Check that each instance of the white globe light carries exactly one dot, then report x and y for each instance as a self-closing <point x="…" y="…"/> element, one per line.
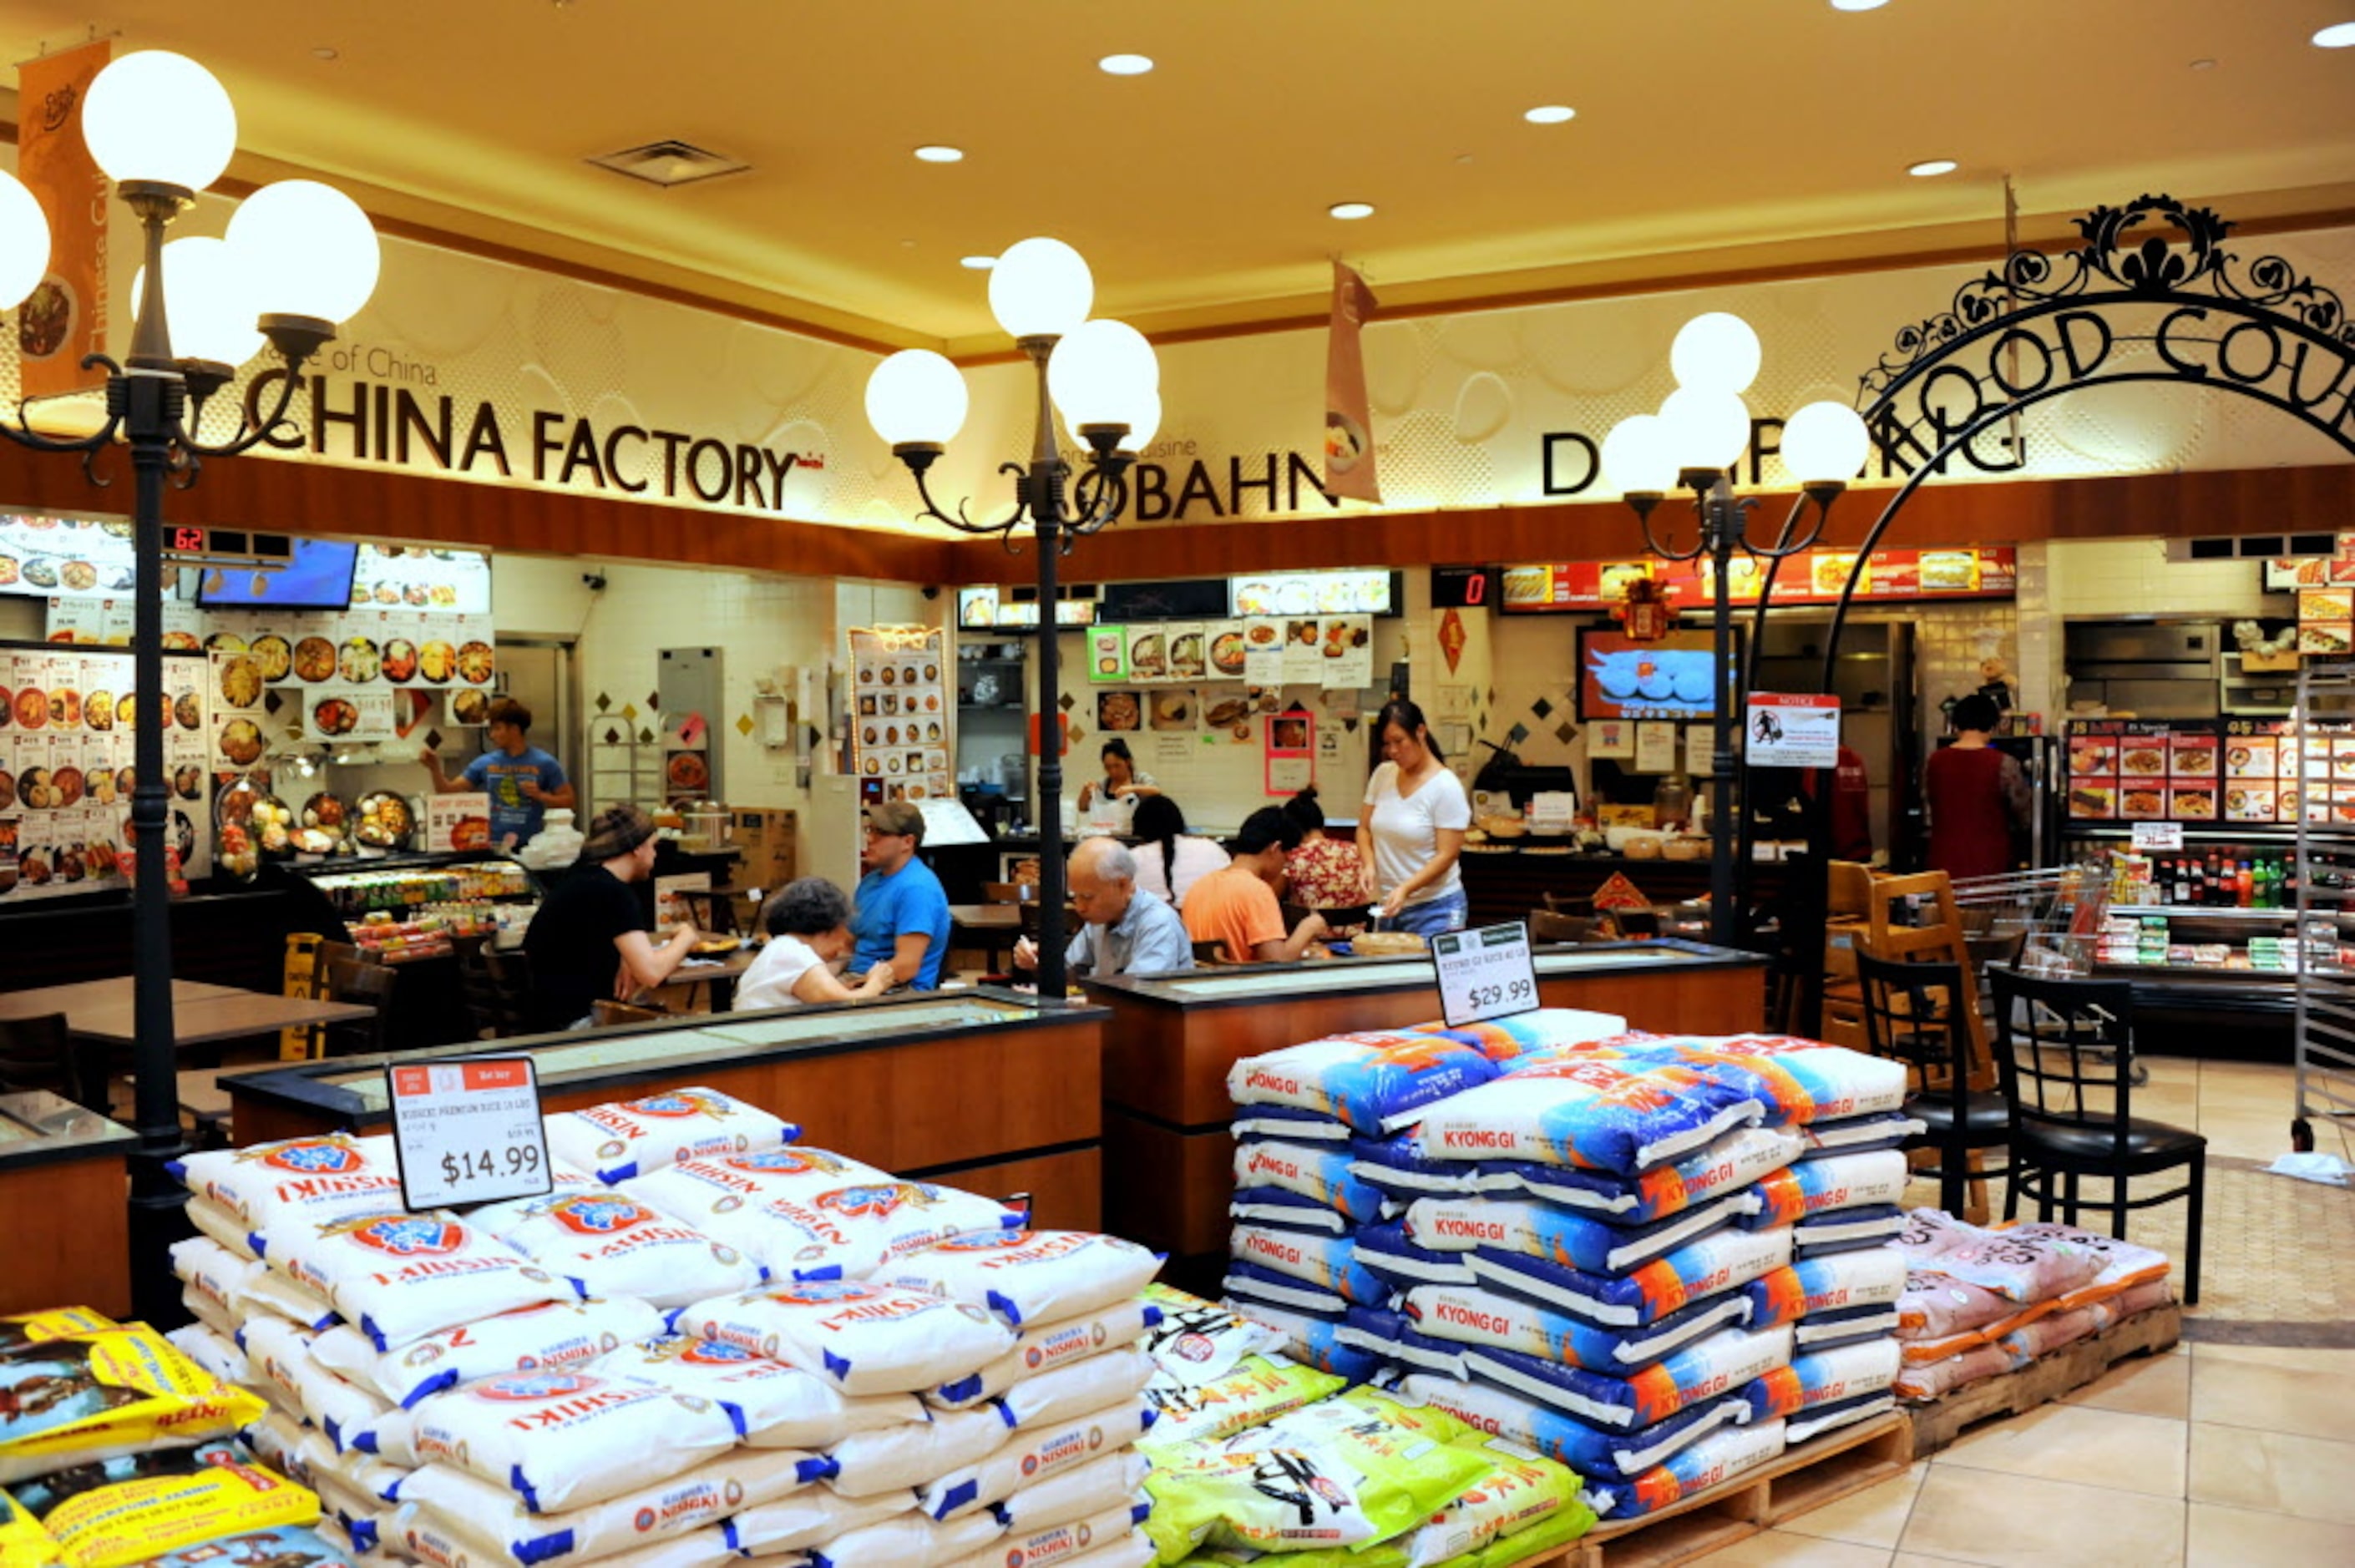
<point x="1097" y="369"/>
<point x="1824" y="441"/>
<point x="156" y="115"/>
<point x="1715" y="351"/>
<point x="916" y="395"/>
<point x="1636" y="456"/>
<point x="1143" y="417"/>
<point x="1706" y="429"/>
<point x="310" y="249"/>
<point x="209" y="302"/>
<point x="1040" y="288"/>
<point x="24" y="242"/>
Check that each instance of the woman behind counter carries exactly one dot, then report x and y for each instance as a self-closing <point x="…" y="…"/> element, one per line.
<point x="1412" y="829"/>
<point x="1124" y="784"/>
<point x="808" y="924"/>
<point x="1169" y="859"/>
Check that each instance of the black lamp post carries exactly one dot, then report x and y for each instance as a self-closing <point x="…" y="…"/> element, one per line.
<point x="163" y="129"/>
<point x="1102" y="374"/>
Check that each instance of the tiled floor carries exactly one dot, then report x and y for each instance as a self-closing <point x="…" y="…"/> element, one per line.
<point x="2211" y="1455"/>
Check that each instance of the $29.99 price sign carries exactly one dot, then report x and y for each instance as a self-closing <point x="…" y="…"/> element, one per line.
<point x="468" y="1131"/>
<point x="1485" y="973"/>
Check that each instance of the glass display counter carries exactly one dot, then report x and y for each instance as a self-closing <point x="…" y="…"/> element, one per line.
<point x="62" y="1186"/>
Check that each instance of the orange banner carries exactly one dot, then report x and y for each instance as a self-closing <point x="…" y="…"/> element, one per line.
<point x="67" y="316"/>
<point x="1348" y="421"/>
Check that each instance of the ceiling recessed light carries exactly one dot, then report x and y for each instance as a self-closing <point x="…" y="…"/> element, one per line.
<point x="939" y="155"/>
<point x="1125" y="65"/>
<point x="978" y="263"/>
<point x="2203" y="65"/>
<point x="1550" y="114"/>
<point x="323" y="53"/>
<point x="1933" y="167"/>
<point x="2337" y="36"/>
<point x="1350" y="210"/>
<point x="1858" y="5"/>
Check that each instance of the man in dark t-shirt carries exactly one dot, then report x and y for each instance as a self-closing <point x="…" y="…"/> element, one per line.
<point x="589" y="940"/>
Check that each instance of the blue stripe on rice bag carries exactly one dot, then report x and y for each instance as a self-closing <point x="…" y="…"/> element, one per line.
<point x="1621" y="1115"/>
<point x="1290" y="1123"/>
<point x="1384" y="1248"/>
<point x="1846" y="1230"/>
<point x="1398" y="1168"/>
<point x="1546" y="1029"/>
<point x="1326" y="1261"/>
<point x="1870" y="1276"/>
<point x="1253" y="1287"/>
<point x="1873" y="1177"/>
<point x="1496" y="1318"/>
<point x="1717" y="1366"/>
<point x="1719" y="1457"/>
<point x="1387" y="1331"/>
<point x="1373" y="1081"/>
<point x="1825" y="1377"/>
<point x="1286" y="1211"/>
<point x="1692" y="1273"/>
<point x="1323" y="1174"/>
<point x="1594" y="1452"/>
<point x="1731" y="1162"/>
<point x="1320" y="1342"/>
<point x="1804" y="1080"/>
<point x="1559" y="1235"/>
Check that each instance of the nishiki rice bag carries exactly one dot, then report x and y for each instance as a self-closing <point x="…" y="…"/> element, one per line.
<point x="895" y="1460"/>
<point x="1565" y="1237"/>
<point x="631" y="1138"/>
<point x="1800" y="1081"/>
<point x="1724" y="1166"/>
<point x="1555" y="1029"/>
<point x="216" y="1276"/>
<point x="281" y="1356"/>
<point x="1076" y="1389"/>
<point x="1509" y="1323"/>
<point x="812" y="1517"/>
<point x="1329" y="1261"/>
<point x="1824" y="1377"/>
<point x="1041" y="1348"/>
<point x="1719" y="1457"/>
<point x="297" y="1181"/>
<point x="772" y="1405"/>
<point x="211" y="1220"/>
<point x="1836" y="1282"/>
<point x="79" y="1398"/>
<point x="1591" y="1450"/>
<point x="864" y="1338"/>
<point x="400" y="1276"/>
<point x="217" y="1352"/>
<point x="1032" y="1454"/>
<point x="1699" y="1269"/>
<point x="415" y="1534"/>
<point x="1029" y="1276"/>
<point x="529" y="1338"/>
<point x="696" y="1191"/>
<point x="1320" y="1174"/>
<point x="907" y="1540"/>
<point x="1074" y="1493"/>
<point x="1067" y="1540"/>
<point x="1716" y="1365"/>
<point x="1817" y="1187"/>
<point x="609" y="1245"/>
<point x="1376" y="1081"/>
<point x="564" y="1439"/>
<point x="1624" y="1117"/>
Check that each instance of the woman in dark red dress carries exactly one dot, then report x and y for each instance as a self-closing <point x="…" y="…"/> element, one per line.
<point x="1977" y="795"/>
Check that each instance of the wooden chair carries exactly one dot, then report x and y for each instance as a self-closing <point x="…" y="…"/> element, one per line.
<point x="37" y="1054"/>
<point x="499" y="989"/>
<point x="2065" y="1048"/>
<point x="1209" y="955"/>
<point x="609" y="1014"/>
<point x="1916" y="1013"/>
<point x="367" y="984"/>
<point x="1001" y="893"/>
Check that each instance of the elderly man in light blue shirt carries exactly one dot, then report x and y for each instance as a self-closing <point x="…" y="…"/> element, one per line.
<point x="1124" y="933"/>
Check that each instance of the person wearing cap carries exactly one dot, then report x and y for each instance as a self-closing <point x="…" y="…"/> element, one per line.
<point x="1235" y="906"/>
<point x="901" y="916"/>
<point x="1121" y="933"/>
<point x="590" y="940"/>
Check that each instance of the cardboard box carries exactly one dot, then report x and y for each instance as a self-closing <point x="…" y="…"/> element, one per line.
<point x="768" y="838"/>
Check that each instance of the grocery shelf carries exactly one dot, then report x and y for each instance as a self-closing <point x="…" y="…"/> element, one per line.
<point x="2213" y="912"/>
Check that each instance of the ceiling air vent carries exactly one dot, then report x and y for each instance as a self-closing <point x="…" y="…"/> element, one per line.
<point x="670" y="164"/>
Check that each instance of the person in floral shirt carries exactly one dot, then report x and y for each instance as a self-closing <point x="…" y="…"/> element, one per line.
<point x="1325" y="873"/>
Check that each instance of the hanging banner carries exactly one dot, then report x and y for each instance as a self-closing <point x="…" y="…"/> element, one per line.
<point x="1349" y="419"/>
<point x="64" y="319"/>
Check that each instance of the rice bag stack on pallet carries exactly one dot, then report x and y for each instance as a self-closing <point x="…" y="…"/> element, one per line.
<point x="1979" y="1302"/>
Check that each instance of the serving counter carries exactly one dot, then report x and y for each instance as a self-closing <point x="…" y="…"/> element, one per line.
<point x="1169" y="1150"/>
<point x="1506" y="881"/>
<point x="66" y="1194"/>
<point x="978" y="1088"/>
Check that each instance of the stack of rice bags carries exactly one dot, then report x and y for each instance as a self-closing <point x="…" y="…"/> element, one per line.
<point x="1980" y="1302"/>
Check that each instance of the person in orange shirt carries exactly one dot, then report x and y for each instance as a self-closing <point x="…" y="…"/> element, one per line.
<point x="1235" y="906"/>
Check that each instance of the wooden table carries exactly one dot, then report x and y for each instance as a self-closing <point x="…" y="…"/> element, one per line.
<point x="721" y="977"/>
<point x="62" y="1184"/>
<point x="992" y="927"/>
<point x="99" y="1016"/>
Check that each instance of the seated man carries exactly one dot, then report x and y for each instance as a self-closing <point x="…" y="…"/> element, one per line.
<point x="1122" y="934"/>
<point x="588" y="941"/>
<point x="1235" y="906"/>
<point x="902" y="916"/>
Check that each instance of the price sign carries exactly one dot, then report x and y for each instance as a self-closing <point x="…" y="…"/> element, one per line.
<point x="468" y="1131"/>
<point x="2159" y="835"/>
<point x="1485" y="973"/>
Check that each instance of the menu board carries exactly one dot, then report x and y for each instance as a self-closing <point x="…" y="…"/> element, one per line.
<point x="902" y="729"/>
<point x="1310" y="593"/>
<point x="2199" y="771"/>
<point x="986" y="608"/>
<point x="68" y="558"/>
<point x="304" y="679"/>
<point x="67" y="745"/>
<point x="1812" y="576"/>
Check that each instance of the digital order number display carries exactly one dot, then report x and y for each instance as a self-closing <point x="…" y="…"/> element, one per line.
<point x="1462" y="588"/>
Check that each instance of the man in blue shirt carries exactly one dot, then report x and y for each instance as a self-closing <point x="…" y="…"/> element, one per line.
<point x="901" y="917"/>
<point x="1122" y="934"/>
<point x="522" y="780"/>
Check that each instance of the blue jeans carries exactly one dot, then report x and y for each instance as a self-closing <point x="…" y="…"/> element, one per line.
<point x="1434" y="915"/>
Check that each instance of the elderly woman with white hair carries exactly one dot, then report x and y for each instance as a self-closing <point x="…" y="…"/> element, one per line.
<point x="1121" y="933"/>
<point x="808" y="923"/>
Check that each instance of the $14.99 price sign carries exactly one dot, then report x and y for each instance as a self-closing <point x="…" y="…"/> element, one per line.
<point x="1485" y="973"/>
<point x="468" y="1131"/>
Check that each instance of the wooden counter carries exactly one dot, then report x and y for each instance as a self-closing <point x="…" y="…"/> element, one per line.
<point x="64" y="1207"/>
<point x="1505" y="884"/>
<point x="1169" y="1155"/>
<point x="980" y="1089"/>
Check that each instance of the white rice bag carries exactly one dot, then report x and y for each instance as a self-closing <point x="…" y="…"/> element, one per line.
<point x="849" y="1232"/>
<point x="210" y="1219"/>
<point x="281" y="1356"/>
<point x="418" y="1535"/>
<point x="391" y="1437"/>
<point x="631" y="1138"/>
<point x="610" y="1244"/>
<point x="696" y="1190"/>
<point x="495" y="1523"/>
<point x="1035" y="1455"/>
<point x="213" y="1272"/>
<point x="1030" y="1276"/>
<point x="267" y="1290"/>
<point x="1062" y="1543"/>
<point x="207" y="1312"/>
<point x="1043" y="1346"/>
<point x="297" y="1181"/>
<point x="896" y="1458"/>
<point x="865" y="1338"/>
<point x="565" y="1182"/>
<point x="564" y="1439"/>
<point x="774" y="1405"/>
<point x="907" y="1540"/>
<point x="1074" y="1390"/>
<point x="215" y="1352"/>
<point x="1076" y="1492"/>
<point x="400" y="1276"/>
<point x="363" y="1474"/>
<point x="277" y="1441"/>
<point x="1130" y="1550"/>
<point x="529" y="1338"/>
<point x="809" y="1518"/>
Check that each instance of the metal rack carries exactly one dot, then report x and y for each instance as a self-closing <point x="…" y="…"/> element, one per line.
<point x="625" y="764"/>
<point x="2326" y="889"/>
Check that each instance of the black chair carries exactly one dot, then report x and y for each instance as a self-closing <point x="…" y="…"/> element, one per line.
<point x="498" y="987"/>
<point x="2065" y="1048"/>
<point x="1916" y="1015"/>
<point x="369" y="984"/>
<point x="38" y="1053"/>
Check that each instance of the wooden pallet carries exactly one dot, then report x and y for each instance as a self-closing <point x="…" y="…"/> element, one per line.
<point x="1820" y="1471"/>
<point x="1939" y="1423"/>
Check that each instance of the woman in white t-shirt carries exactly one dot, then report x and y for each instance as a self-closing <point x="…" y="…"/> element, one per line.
<point x="1413" y="829"/>
<point x="1124" y="785"/>
<point x="809" y="931"/>
<point x="1169" y="859"/>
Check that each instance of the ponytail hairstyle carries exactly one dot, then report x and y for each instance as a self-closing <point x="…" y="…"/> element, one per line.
<point x="1158" y="821"/>
<point x="1303" y="809"/>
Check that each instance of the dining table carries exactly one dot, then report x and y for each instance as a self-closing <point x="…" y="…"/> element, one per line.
<point x="992" y="927"/>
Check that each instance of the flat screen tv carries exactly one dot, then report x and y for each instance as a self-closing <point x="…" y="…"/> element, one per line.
<point x="318" y="577"/>
<point x="1670" y="678"/>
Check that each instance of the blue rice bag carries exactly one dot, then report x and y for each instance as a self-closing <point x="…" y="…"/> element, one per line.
<point x="1870" y="1277"/>
<point x="1828" y="1377"/>
<point x="1719" y="1457"/>
<point x="1493" y="1318"/>
<point x="1562" y="1236"/>
<point x="1589" y="1110"/>
<point x="1398" y="1168"/>
<point x="1545" y="1029"/>
<point x="1802" y="1081"/>
<point x="1285" y="1211"/>
<point x="1321" y="1343"/>
<point x="1323" y="1174"/>
<point x="1846" y="1230"/>
<point x="1326" y="1261"/>
<point x="1875" y="1178"/>
<point x="1253" y="1288"/>
<point x="1387" y="1333"/>
<point x="1384" y="1248"/>
<point x="1717" y="1365"/>
<point x="1375" y="1082"/>
<point x="1729" y="1164"/>
<point x="1290" y="1123"/>
<point x="1594" y="1452"/>
<point x="1847" y="1326"/>
<point x="1855" y="1134"/>
<point x="1724" y="1261"/>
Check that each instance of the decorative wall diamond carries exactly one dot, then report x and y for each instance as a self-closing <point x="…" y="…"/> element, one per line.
<point x="744" y="725"/>
<point x="1542" y="708"/>
<point x="605" y="703"/>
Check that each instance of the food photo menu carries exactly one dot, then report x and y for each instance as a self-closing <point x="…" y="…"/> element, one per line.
<point x="904" y="715"/>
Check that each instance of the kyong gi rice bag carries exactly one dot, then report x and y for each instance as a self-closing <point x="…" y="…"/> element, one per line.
<point x="1546" y="1029"/>
<point x="1373" y="1081"/>
<point x="1721" y="1168"/>
<point x="1814" y="1188"/>
<point x="1623" y="1116"/>
<point x="1563" y="1235"/>
<point x="1509" y="1323"/>
<point x="1799" y="1081"/>
<point x="774" y="1405"/>
<point x="1693" y="1271"/>
<point x="1329" y="1261"/>
<point x="864" y="1338"/>
<point x="609" y="1245"/>
<point x="1607" y="1453"/>
<point x="1836" y="1282"/>
<point x="1719" y="1457"/>
<point x="400" y="1276"/>
<point x="1717" y="1365"/>
<point x="1321" y="1174"/>
<point x="298" y="1182"/>
<point x="529" y="1338"/>
<point x="632" y="1137"/>
<point x="1029" y="1276"/>
<point x="1824" y="1377"/>
<point x="564" y="1439"/>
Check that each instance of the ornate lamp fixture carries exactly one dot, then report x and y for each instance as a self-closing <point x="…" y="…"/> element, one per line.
<point x="1695" y="441"/>
<point x="300" y="259"/>
<point x="1102" y="375"/>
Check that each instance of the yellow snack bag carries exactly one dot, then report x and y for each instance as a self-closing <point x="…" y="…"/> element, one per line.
<point x="102" y="1394"/>
<point x="130" y="1522"/>
<point x="22" y="1542"/>
<point x="32" y="1327"/>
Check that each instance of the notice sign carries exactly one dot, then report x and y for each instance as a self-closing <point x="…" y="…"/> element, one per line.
<point x="468" y="1131"/>
<point x="1485" y="973"/>
<point x="2159" y="835"/>
<point x="1784" y="729"/>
